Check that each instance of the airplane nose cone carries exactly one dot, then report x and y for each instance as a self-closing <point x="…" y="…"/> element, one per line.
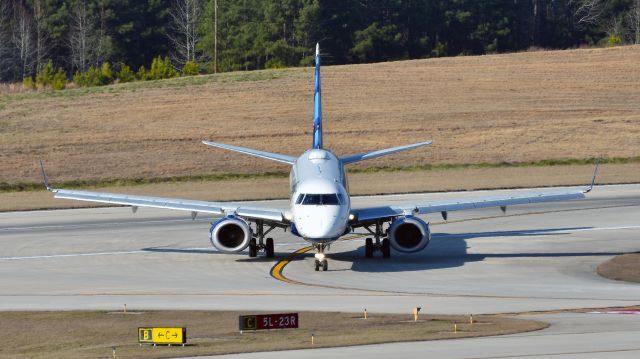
<point x="319" y="225"/>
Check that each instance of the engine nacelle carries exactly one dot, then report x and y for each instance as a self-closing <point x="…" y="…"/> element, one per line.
<point x="409" y="234"/>
<point x="230" y="234"/>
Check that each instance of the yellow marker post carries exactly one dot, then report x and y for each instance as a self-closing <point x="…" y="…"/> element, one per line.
<point x="312" y="339"/>
<point x="455" y="327"/>
<point x="416" y="310"/>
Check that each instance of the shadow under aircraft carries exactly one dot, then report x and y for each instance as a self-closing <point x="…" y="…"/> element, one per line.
<point x="449" y="250"/>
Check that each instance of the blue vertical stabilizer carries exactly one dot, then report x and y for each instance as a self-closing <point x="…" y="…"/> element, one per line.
<point x="317" y="105"/>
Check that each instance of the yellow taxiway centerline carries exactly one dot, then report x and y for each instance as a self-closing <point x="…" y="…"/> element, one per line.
<point x="278" y="268"/>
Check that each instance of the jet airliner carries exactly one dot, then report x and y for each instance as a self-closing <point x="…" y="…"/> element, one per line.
<point x="320" y="210"/>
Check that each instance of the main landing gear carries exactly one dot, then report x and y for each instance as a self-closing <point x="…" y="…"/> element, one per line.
<point x="381" y="244"/>
<point x="321" y="259"/>
<point x="257" y="243"/>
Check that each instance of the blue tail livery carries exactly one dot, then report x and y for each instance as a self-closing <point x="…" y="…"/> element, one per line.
<point x="317" y="106"/>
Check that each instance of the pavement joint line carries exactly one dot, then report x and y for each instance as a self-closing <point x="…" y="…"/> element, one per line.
<point x="632" y="302"/>
<point x="558" y="354"/>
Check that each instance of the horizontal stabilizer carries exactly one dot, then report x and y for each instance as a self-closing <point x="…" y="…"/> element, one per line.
<point x="255" y="153"/>
<point x="379" y="153"/>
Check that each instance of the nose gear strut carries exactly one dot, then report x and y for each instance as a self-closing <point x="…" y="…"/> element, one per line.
<point x="321" y="259"/>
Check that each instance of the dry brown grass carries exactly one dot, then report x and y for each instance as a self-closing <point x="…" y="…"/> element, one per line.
<point x="94" y="334"/>
<point x="623" y="267"/>
<point x="514" y="107"/>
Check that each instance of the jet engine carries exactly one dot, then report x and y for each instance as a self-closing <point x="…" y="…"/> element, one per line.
<point x="409" y="234"/>
<point x="230" y="234"/>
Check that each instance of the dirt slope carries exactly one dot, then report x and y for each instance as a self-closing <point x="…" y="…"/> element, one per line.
<point x="515" y="107"/>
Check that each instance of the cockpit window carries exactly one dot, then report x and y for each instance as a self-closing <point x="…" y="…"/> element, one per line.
<point x="319" y="199"/>
<point x="300" y="197"/>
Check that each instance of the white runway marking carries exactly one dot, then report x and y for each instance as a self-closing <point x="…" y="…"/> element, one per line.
<point x="553" y="230"/>
<point x="71" y="255"/>
<point x="101" y="224"/>
<point x="141" y="251"/>
<point x="606" y="228"/>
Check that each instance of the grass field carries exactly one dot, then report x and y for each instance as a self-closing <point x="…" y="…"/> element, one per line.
<point x="573" y="104"/>
<point x="94" y="334"/>
<point x="624" y="267"/>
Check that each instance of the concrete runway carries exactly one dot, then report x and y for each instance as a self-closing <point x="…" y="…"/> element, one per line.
<point x="535" y="258"/>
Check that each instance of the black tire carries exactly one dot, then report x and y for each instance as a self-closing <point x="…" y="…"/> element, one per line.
<point x="269" y="248"/>
<point x="317" y="265"/>
<point x="386" y="248"/>
<point x="368" y="248"/>
<point x="325" y="265"/>
<point x="253" y="248"/>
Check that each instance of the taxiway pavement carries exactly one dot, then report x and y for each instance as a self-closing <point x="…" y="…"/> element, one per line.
<point x="533" y="258"/>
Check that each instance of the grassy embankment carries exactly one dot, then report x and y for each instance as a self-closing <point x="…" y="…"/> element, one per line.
<point x="68" y="335"/>
<point x="498" y="121"/>
<point x="624" y="267"/>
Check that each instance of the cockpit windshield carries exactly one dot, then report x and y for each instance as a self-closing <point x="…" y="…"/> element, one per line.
<point x="318" y="199"/>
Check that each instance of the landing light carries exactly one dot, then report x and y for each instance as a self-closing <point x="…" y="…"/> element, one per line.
<point x="352" y="217"/>
<point x="320" y="256"/>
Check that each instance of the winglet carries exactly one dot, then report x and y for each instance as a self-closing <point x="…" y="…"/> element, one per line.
<point x="45" y="178"/>
<point x="593" y="180"/>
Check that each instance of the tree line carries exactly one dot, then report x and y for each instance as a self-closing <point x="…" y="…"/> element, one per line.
<point x="80" y="36"/>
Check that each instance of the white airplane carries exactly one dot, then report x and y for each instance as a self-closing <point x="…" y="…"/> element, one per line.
<point x="320" y="209"/>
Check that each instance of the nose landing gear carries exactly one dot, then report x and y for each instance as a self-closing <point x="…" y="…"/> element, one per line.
<point x="321" y="259"/>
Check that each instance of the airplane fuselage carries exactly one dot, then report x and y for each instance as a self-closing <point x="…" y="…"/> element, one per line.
<point x="320" y="202"/>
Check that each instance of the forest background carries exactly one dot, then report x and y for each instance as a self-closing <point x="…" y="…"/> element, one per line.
<point x="96" y="42"/>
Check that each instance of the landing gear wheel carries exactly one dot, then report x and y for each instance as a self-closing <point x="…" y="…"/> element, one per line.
<point x="253" y="248"/>
<point x="368" y="248"/>
<point x="386" y="248"/>
<point x="317" y="265"/>
<point x="269" y="248"/>
<point x="325" y="265"/>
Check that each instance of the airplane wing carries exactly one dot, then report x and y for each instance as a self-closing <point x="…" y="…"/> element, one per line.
<point x="193" y="206"/>
<point x="370" y="214"/>
<point x="217" y="208"/>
